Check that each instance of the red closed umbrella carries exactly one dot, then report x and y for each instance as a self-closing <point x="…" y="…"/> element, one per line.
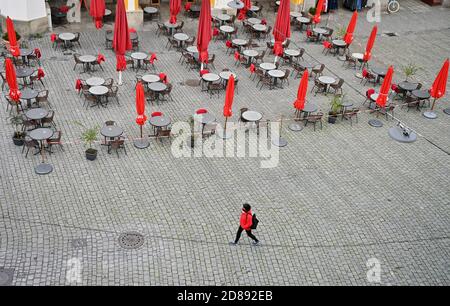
<point x="121" y="41"/>
<point x="439" y="86"/>
<point x="370" y="42"/>
<point x="245" y="9"/>
<point x="140" y="105"/>
<point x="385" y="87"/>
<point x="319" y="8"/>
<point x="348" y="37"/>
<point x="97" y="11"/>
<point x="13" y="47"/>
<point x="11" y="79"/>
<point x="299" y="103"/>
<point x="175" y="7"/>
<point x="229" y="96"/>
<point x="282" y="28"/>
<point x="204" y="32"/>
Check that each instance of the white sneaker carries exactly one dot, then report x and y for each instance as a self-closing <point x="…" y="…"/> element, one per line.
<point x="256" y="243"/>
<point x="232" y="243"/>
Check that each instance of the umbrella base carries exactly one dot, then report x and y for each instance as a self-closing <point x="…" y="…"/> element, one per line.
<point x="295" y="127"/>
<point x="447" y="111"/>
<point x="141" y="143"/>
<point x="279" y="142"/>
<point x="430" y="115"/>
<point x="396" y="133"/>
<point x="375" y="123"/>
<point x="43" y="169"/>
<point x="225" y="134"/>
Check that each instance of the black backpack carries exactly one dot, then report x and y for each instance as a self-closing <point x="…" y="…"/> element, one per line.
<point x="254" y="222"/>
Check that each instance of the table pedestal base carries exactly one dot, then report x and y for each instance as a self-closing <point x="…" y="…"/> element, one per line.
<point x="430" y="115"/>
<point x="296" y="127"/>
<point x="396" y="133"/>
<point x="447" y="111"/>
<point x="375" y="123"/>
<point x="141" y="143"/>
<point x="225" y="134"/>
<point x="279" y="142"/>
<point x="43" y="169"/>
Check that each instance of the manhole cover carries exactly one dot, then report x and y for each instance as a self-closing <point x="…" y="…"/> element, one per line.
<point x="79" y="243"/>
<point x="131" y="240"/>
<point x="192" y="83"/>
<point x="6" y="277"/>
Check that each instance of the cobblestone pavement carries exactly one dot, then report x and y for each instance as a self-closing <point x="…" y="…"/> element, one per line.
<point x="339" y="196"/>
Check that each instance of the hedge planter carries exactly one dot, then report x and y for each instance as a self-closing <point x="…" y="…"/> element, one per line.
<point x="91" y="154"/>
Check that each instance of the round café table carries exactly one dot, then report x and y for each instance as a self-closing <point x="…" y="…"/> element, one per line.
<point x="23" y="73"/>
<point x="210" y="77"/>
<point x="192" y="49"/>
<point x="41" y="134"/>
<point x="276" y="74"/>
<point x="95" y="81"/>
<point x="239" y="42"/>
<point x="87" y="61"/>
<point x="204" y="119"/>
<point x="296" y="14"/>
<point x="171" y="26"/>
<point x="250" y="54"/>
<point x="309" y="108"/>
<point x="379" y="72"/>
<point x="223" y="18"/>
<point x="181" y="38"/>
<point x="24" y="52"/>
<point x="267" y="66"/>
<point x="150" y="11"/>
<point x="292" y="53"/>
<point x="66" y="37"/>
<point x="98" y="92"/>
<point x="326" y="80"/>
<point x="338" y="44"/>
<point x="36" y="114"/>
<point x="259" y="27"/>
<point x="139" y="57"/>
<point x="225" y="75"/>
<point x="159" y="122"/>
<point x="254" y="20"/>
<point x="254" y="8"/>
<point x="150" y="78"/>
<point x="421" y="94"/>
<point x="236" y="4"/>
<point x="252" y="116"/>
<point x="320" y="31"/>
<point x="28" y="94"/>
<point x="157" y="88"/>
<point x="407" y="86"/>
<point x="303" y="20"/>
<point x="111" y="131"/>
<point x="226" y="29"/>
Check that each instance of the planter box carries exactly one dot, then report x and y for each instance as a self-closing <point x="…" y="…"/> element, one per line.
<point x="433" y="2"/>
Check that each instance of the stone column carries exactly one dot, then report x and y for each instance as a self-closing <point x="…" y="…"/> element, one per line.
<point x="446" y="3"/>
<point x="29" y="16"/>
<point x="135" y="14"/>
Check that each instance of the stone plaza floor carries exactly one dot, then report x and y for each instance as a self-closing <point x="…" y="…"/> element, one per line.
<point x="339" y="200"/>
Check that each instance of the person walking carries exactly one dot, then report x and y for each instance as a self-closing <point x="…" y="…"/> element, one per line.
<point x="246" y="221"/>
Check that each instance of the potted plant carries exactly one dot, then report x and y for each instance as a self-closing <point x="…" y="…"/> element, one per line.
<point x="311" y="12"/>
<point x="336" y="105"/>
<point x="410" y="70"/>
<point x="6" y="39"/>
<point x="341" y="31"/>
<point x="89" y="135"/>
<point x="18" y="135"/>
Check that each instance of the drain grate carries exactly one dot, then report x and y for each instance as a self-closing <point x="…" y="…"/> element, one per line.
<point x="131" y="240"/>
<point x="192" y="83"/>
<point x="79" y="243"/>
<point x="6" y="276"/>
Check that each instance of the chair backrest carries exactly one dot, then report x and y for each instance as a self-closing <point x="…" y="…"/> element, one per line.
<point x="156" y="114"/>
<point x="340" y="83"/>
<point x="287" y="73"/>
<point x="108" y="82"/>
<point x="110" y="122"/>
<point x="42" y="95"/>
<point x="243" y="110"/>
<point x="370" y="92"/>
<point x="201" y="111"/>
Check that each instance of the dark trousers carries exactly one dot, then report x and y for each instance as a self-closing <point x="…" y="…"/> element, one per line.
<point x="249" y="233"/>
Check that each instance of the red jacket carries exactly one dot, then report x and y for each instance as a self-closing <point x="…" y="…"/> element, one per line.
<point x="246" y="219"/>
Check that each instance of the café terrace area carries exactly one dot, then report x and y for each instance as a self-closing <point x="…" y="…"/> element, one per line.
<point x="361" y="114"/>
